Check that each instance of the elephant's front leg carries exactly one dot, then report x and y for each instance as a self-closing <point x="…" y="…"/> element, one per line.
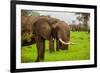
<point x="40" y="42"/>
<point x="51" y="44"/>
<point x="58" y="45"/>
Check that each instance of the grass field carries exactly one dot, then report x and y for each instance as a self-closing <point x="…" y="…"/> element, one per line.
<point x="80" y="51"/>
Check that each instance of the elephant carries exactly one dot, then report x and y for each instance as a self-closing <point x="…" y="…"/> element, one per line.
<point x="75" y="27"/>
<point x="26" y="29"/>
<point x="62" y="31"/>
<point x="26" y="25"/>
<point x="46" y="28"/>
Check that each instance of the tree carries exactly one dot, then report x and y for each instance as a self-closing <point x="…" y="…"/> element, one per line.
<point x="84" y="17"/>
<point x="73" y="22"/>
<point x="85" y="20"/>
<point x="29" y="13"/>
<point x="79" y="18"/>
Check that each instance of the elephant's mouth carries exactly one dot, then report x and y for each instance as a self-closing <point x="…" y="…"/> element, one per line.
<point x="65" y="43"/>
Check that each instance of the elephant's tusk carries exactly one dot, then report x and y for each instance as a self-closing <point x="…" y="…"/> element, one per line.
<point x="65" y="42"/>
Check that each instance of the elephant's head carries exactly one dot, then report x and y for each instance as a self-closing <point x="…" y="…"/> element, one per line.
<point x="58" y="28"/>
<point x="62" y="31"/>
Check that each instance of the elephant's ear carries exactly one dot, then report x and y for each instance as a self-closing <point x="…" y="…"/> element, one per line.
<point x="42" y="28"/>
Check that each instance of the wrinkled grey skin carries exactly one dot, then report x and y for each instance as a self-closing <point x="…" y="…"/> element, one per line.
<point x="46" y="28"/>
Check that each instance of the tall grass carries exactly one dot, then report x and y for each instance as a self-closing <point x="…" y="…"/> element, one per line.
<point x="80" y="51"/>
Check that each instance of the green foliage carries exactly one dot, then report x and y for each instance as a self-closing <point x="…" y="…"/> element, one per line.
<point x="26" y="36"/>
<point x="80" y="51"/>
<point x="29" y="13"/>
<point x="84" y="17"/>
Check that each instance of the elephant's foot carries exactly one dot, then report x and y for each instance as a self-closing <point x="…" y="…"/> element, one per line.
<point x="40" y="60"/>
<point x="37" y="60"/>
<point x="41" y="57"/>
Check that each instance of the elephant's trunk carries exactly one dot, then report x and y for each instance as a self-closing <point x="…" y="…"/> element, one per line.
<point x="65" y="43"/>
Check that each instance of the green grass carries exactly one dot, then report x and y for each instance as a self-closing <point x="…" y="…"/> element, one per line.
<point x="80" y="51"/>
